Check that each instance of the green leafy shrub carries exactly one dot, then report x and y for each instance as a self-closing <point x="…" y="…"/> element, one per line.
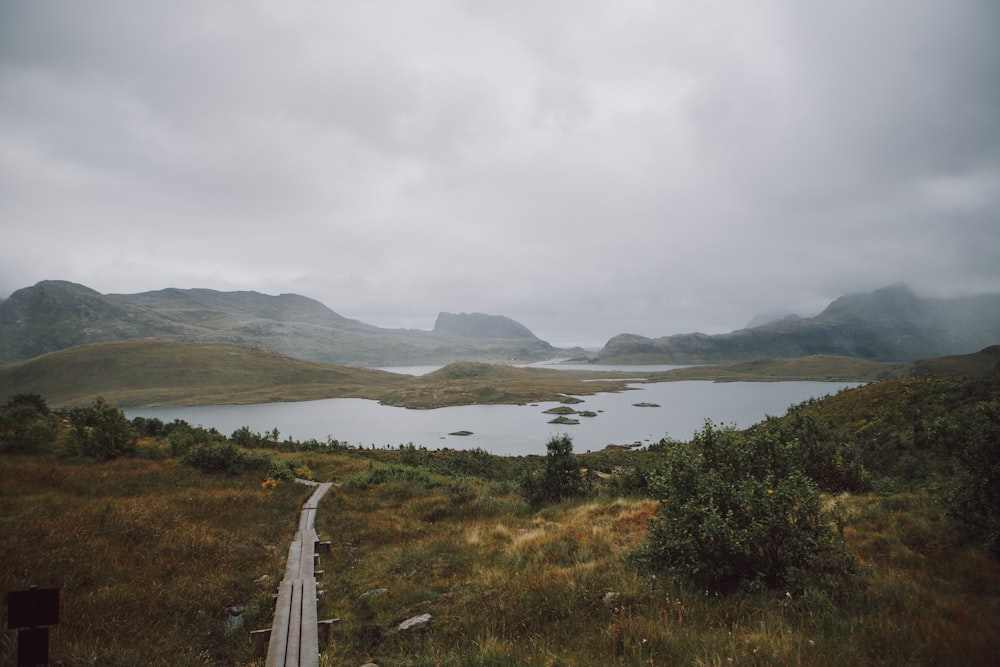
<point x="736" y="508"/>
<point x="227" y="458"/>
<point x="183" y="438"/>
<point x="101" y="431"/>
<point x="832" y="464"/>
<point x="559" y="479"/>
<point x="388" y="474"/>
<point x="973" y="496"/>
<point x="472" y="463"/>
<point x="26" y="424"/>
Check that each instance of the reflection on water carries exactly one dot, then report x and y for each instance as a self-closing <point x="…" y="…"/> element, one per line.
<point x="513" y="429"/>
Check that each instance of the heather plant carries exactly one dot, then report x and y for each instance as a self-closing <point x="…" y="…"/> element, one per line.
<point x="736" y="508"/>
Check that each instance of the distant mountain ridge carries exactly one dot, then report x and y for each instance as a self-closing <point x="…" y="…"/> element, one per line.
<point x="54" y="315"/>
<point x="889" y="324"/>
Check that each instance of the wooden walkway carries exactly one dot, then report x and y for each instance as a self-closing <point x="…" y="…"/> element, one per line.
<point x="294" y="637"/>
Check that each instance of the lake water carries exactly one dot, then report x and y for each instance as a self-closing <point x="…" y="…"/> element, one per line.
<point x="513" y="429"/>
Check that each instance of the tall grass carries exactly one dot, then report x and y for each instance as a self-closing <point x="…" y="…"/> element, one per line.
<point x="147" y="556"/>
<point x="507" y="585"/>
<point x="149" y="553"/>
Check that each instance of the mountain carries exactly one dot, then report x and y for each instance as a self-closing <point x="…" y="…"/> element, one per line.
<point x="478" y="325"/>
<point x="54" y="315"/>
<point x="889" y="324"/>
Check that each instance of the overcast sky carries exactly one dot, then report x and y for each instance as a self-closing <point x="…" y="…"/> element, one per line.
<point x="586" y="168"/>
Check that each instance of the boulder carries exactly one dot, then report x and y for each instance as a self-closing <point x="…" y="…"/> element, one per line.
<point x="415" y="623"/>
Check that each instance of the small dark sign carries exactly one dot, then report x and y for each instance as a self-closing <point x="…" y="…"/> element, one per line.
<point x="33" y="608"/>
<point x="33" y="647"/>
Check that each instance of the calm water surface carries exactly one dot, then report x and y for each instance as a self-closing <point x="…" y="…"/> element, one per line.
<point x="513" y="429"/>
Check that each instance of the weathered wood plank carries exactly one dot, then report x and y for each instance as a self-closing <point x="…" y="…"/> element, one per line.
<point x="294" y="644"/>
<point x="309" y="643"/>
<point x="276" y="646"/>
<point x="294" y="640"/>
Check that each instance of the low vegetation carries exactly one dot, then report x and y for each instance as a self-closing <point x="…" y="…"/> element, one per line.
<point x="855" y="530"/>
<point x="157" y="372"/>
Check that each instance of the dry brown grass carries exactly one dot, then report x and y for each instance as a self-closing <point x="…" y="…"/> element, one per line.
<point x="147" y="556"/>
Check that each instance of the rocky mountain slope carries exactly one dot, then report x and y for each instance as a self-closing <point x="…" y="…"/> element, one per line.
<point x="889" y="324"/>
<point x="55" y="315"/>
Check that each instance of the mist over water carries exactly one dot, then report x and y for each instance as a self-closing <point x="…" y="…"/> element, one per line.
<point x="513" y="429"/>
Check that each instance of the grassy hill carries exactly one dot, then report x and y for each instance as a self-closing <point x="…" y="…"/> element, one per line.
<point x="158" y="372"/>
<point x="161" y="372"/>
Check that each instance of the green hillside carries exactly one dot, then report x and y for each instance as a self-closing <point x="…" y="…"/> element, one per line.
<point x="157" y="372"/>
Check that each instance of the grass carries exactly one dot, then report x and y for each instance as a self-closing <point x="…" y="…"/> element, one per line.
<point x="156" y="372"/>
<point x="147" y="554"/>
<point x="506" y="585"/>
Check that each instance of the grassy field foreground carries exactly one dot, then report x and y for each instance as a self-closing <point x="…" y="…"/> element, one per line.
<point x="148" y="555"/>
<point x="507" y="585"/>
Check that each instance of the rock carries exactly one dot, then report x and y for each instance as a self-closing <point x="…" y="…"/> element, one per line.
<point x="415" y="623"/>
<point x="375" y="593"/>
<point x="610" y="599"/>
<point x="562" y="419"/>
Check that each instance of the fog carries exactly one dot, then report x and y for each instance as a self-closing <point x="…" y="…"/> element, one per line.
<point x="584" y="168"/>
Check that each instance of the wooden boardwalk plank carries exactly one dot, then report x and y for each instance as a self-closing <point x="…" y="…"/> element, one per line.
<point x="294" y="640"/>
<point x="294" y="644"/>
<point x="279" y="626"/>
<point x="309" y="651"/>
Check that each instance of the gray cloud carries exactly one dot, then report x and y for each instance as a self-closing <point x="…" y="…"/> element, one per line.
<point x="586" y="168"/>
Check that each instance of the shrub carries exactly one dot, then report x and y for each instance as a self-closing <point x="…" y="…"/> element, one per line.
<point x="474" y="462"/>
<point x="101" y="431"/>
<point x="735" y="508"/>
<point x="152" y="427"/>
<point x="559" y="479"/>
<point x="26" y="425"/>
<point x="973" y="497"/>
<point x="244" y="437"/>
<point x="388" y="474"/>
<point x="833" y="465"/>
<point x="183" y="438"/>
<point x="227" y="458"/>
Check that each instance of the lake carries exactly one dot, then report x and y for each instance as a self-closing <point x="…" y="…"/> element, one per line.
<point x="513" y="430"/>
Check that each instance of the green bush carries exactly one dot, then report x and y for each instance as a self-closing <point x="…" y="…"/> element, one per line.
<point x="26" y="425"/>
<point x="389" y="474"/>
<point x="101" y="431"/>
<point x="559" y="479"/>
<point x="832" y="464"/>
<point x="227" y="458"/>
<point x="183" y="438"/>
<point x="973" y="497"/>
<point x="736" y="508"/>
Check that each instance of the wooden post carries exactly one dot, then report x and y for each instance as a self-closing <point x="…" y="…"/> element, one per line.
<point x="259" y="639"/>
